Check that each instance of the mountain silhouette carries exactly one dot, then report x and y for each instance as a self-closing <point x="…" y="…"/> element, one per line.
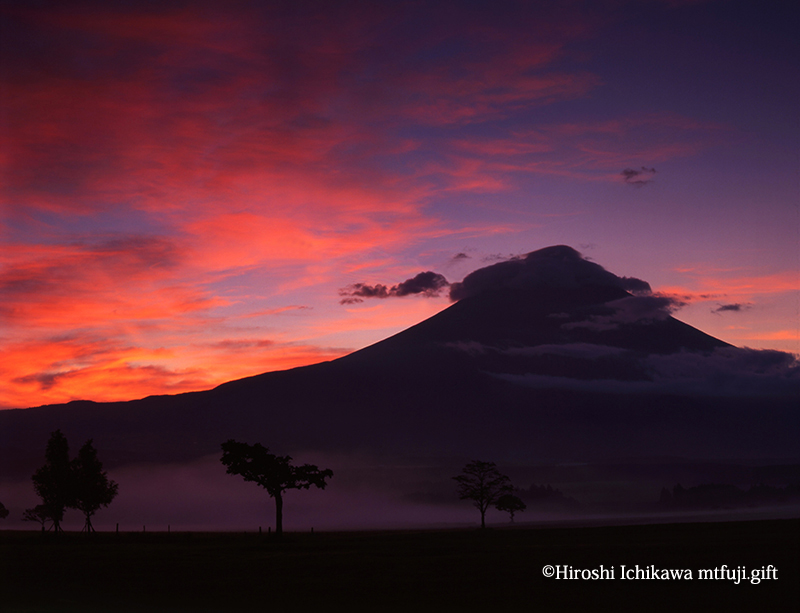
<point x="542" y="358"/>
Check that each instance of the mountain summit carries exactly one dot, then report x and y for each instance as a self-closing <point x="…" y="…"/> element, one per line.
<point x="543" y="357"/>
<point x="559" y="266"/>
<point x="555" y="297"/>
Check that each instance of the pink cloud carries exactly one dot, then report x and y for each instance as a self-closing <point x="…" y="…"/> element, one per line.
<point x="589" y="151"/>
<point x="764" y="300"/>
<point x="711" y="285"/>
<point x="129" y="278"/>
<point x="492" y="93"/>
<point x="79" y="144"/>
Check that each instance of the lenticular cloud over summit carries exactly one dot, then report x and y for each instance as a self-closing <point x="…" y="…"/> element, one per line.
<point x="558" y="266"/>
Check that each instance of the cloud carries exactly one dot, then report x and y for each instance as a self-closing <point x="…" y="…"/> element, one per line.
<point x="83" y="283"/>
<point x="562" y="266"/>
<point x="239" y="345"/>
<point x="106" y="365"/>
<point x="294" y="308"/>
<point x="631" y="310"/>
<point x="581" y="351"/>
<point x="151" y="102"/>
<point x="498" y="257"/>
<point x="558" y="266"/>
<point x="726" y="371"/>
<point x="353" y="293"/>
<point x="717" y="282"/>
<point x="639" y="177"/>
<point x="639" y="308"/>
<point x="458" y="260"/>
<point x="634" y="285"/>
<point x="734" y="307"/>
<point x="586" y="151"/>
<point x="428" y="284"/>
<point x="731" y="371"/>
<point x="172" y="172"/>
<point x="54" y="370"/>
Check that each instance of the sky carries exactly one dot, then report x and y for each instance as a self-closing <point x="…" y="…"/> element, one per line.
<point x="194" y="192"/>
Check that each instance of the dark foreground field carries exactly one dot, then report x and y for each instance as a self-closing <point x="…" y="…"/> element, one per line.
<point x="465" y="570"/>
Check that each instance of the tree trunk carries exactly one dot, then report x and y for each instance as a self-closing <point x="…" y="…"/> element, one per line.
<point x="483" y="518"/>
<point x="278" y="513"/>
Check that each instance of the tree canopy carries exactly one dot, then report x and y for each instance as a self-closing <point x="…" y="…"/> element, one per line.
<point x="53" y="481"/>
<point x="272" y="472"/>
<point x="511" y="504"/>
<point x="92" y="487"/>
<point x="483" y="484"/>
<point x="39" y="514"/>
<point x="78" y="484"/>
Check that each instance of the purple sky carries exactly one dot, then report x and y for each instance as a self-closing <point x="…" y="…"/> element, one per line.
<point x="187" y="186"/>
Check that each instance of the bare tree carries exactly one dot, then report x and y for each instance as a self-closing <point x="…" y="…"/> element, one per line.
<point x="483" y="484"/>
<point x="273" y="473"/>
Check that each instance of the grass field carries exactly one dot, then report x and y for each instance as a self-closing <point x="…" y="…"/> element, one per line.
<point x="458" y="570"/>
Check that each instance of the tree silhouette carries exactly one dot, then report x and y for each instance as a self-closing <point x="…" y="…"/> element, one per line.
<point x="3" y="511"/>
<point x="53" y="481"/>
<point x="78" y="484"/>
<point x="483" y="484"/>
<point x="92" y="487"/>
<point x="273" y="473"/>
<point x="510" y="504"/>
<point x="39" y="514"/>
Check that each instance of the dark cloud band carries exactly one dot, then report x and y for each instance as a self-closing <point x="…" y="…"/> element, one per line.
<point x="428" y="284"/>
<point x="735" y="307"/>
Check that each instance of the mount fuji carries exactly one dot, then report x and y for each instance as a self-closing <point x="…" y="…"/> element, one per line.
<point x="544" y="358"/>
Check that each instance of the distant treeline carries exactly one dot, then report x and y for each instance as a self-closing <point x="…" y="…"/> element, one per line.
<point x="719" y="495"/>
<point x="545" y="494"/>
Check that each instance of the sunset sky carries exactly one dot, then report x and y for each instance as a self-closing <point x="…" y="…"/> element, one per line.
<point x="191" y="190"/>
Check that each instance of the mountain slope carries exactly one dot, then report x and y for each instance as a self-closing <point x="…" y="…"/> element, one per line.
<point x="543" y="358"/>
